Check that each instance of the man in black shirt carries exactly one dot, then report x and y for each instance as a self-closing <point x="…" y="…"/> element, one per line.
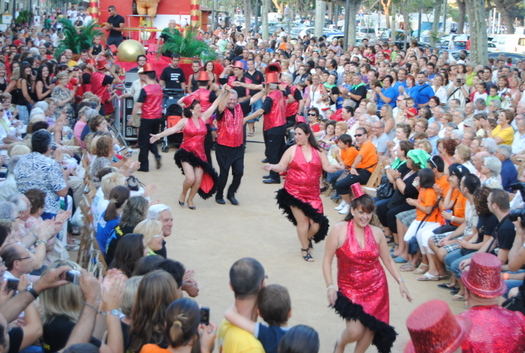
<point x="357" y="92"/>
<point x="257" y="78"/>
<point x="114" y="26"/>
<point x="173" y="76"/>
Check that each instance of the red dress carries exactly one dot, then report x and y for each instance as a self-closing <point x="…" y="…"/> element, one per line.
<point x="495" y="330"/>
<point x="192" y="151"/>
<point x="363" y="289"/>
<point x="301" y="189"/>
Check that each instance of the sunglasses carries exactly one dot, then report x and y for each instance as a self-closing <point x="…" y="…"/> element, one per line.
<point x="310" y="114"/>
<point x="358" y="135"/>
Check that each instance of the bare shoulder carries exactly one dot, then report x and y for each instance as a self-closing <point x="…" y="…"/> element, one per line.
<point x="378" y="233"/>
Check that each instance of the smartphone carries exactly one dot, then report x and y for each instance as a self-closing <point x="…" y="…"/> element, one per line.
<point x="205" y="316"/>
<point x="72" y="276"/>
<point x="12" y="284"/>
<point x="53" y="146"/>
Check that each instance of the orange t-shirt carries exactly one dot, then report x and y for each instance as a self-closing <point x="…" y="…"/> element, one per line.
<point x="153" y="348"/>
<point x="459" y="205"/>
<point x="369" y="153"/>
<point x="427" y="197"/>
<point x="443" y="184"/>
<point x="348" y="156"/>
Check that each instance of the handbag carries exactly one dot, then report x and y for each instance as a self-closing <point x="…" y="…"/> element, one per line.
<point x="385" y="190"/>
<point x="413" y="245"/>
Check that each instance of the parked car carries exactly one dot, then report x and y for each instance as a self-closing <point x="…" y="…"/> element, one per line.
<point x="510" y="42"/>
<point x="387" y="35"/>
<point x="366" y="32"/>
<point x="515" y="56"/>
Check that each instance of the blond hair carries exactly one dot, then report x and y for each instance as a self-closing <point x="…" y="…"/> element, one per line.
<point x="149" y="228"/>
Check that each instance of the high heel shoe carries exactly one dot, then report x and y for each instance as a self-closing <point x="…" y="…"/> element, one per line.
<point x="181" y="204"/>
<point x="193" y="208"/>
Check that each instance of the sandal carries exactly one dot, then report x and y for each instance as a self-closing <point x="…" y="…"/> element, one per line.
<point x="428" y="277"/>
<point x="408" y="267"/>
<point x="448" y="286"/>
<point x="422" y="269"/>
<point x="458" y="297"/>
<point x="308" y="257"/>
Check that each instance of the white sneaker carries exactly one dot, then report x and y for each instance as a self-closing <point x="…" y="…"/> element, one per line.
<point x="345" y="210"/>
<point x="341" y="205"/>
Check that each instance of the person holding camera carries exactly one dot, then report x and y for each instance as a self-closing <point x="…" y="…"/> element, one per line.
<point x="458" y="90"/>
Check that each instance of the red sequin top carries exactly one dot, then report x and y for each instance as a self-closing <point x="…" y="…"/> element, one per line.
<point x="193" y="140"/>
<point x="360" y="276"/>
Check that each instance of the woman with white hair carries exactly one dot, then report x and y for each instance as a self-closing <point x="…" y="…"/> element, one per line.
<point x="491" y="169"/>
<point x="488" y="144"/>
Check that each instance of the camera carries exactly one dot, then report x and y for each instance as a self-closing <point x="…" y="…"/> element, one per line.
<point x="458" y="80"/>
<point x="12" y="284"/>
<point x="72" y="276"/>
<point x="205" y="315"/>
<point x="514" y="214"/>
<point x="520" y="187"/>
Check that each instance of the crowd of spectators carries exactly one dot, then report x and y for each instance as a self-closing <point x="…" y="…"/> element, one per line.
<point x="447" y="134"/>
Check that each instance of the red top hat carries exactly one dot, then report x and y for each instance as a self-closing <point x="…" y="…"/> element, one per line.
<point x="434" y="329"/>
<point x="357" y="190"/>
<point x="91" y="61"/>
<point x="239" y="64"/>
<point x="273" y="67"/>
<point x="188" y="100"/>
<point x="484" y="276"/>
<point x="272" y="77"/>
<point x="203" y="76"/>
<point x="147" y="68"/>
<point x="101" y="63"/>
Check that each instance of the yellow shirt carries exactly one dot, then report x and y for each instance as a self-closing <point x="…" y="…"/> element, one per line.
<point x="72" y="63"/>
<point x="507" y="135"/>
<point x="233" y="339"/>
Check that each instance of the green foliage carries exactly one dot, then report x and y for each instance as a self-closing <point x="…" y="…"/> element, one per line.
<point x="74" y="39"/>
<point x="24" y="17"/>
<point x="188" y="46"/>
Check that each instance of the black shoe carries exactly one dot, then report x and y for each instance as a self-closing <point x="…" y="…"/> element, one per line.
<point x="264" y="160"/>
<point x="233" y="200"/>
<point x="454" y="292"/>
<point x="220" y="201"/>
<point x="159" y="163"/>
<point x="271" y="181"/>
<point x="267" y="176"/>
<point x="143" y="170"/>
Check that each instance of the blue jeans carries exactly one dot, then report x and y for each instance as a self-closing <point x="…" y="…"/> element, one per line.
<point x="256" y="106"/>
<point x="453" y="259"/>
<point x="512" y="283"/>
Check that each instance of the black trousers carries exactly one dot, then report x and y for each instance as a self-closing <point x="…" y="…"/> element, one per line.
<point x="275" y="146"/>
<point x="147" y="127"/>
<point x="229" y="157"/>
<point x="387" y="216"/>
<point x="115" y="40"/>
<point x="343" y="186"/>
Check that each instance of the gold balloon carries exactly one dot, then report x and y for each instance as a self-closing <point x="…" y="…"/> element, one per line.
<point x="129" y="50"/>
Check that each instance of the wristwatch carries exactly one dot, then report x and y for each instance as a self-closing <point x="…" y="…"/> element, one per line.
<point x="30" y="289"/>
<point x="114" y="312"/>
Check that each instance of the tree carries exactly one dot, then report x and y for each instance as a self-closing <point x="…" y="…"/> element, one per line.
<point x="507" y="8"/>
<point x="478" y="42"/>
<point x="354" y="7"/>
<point x="435" y="25"/>
<point x="386" y="9"/>
<point x="461" y="18"/>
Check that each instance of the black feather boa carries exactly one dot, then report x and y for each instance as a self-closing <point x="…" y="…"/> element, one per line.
<point x="384" y="334"/>
<point x="185" y="156"/>
<point x="285" y="201"/>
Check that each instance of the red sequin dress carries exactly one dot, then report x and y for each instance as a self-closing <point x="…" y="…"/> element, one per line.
<point x="363" y="289"/>
<point x="495" y="330"/>
<point x="301" y="190"/>
<point x="192" y="151"/>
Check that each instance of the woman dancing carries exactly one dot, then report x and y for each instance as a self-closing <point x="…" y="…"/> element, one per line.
<point x="190" y="158"/>
<point x="300" y="198"/>
<point x="362" y="299"/>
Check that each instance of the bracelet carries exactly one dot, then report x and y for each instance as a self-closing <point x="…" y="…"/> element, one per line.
<point x="40" y="241"/>
<point x="505" y="276"/>
<point x="92" y="307"/>
<point x="452" y="219"/>
<point x="401" y="280"/>
<point x="330" y="286"/>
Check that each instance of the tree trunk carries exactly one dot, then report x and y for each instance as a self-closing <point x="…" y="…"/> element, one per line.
<point x="435" y="25"/>
<point x="320" y="8"/>
<point x="264" y="18"/>
<point x="354" y="7"/>
<point x="279" y="6"/>
<point x="247" y="14"/>
<point x="478" y="42"/>
<point x="386" y="9"/>
<point x="505" y="7"/>
<point x="462" y="14"/>
<point x="393" y="34"/>
<point x="408" y="26"/>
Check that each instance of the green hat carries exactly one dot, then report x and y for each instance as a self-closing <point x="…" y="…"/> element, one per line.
<point x="420" y="157"/>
